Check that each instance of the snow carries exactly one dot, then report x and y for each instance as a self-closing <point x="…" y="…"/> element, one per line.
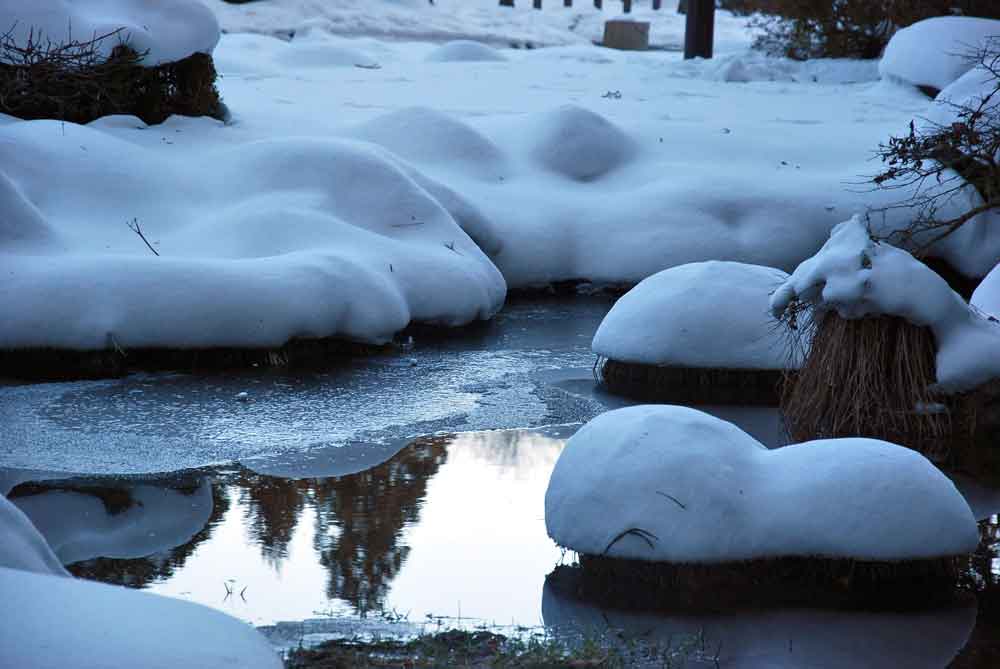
<point x="466" y="51"/>
<point x="707" y="492"/>
<point x="708" y="314"/>
<point x="163" y="30"/>
<point x="363" y="249"/>
<point x="78" y="527"/>
<point x="857" y="276"/>
<point x="23" y="548"/>
<point x="54" y="622"/>
<point x="986" y="297"/>
<point x="936" y="51"/>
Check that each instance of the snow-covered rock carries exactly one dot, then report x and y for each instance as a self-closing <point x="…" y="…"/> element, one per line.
<point x="464" y="51"/>
<point x="23" y="547"/>
<point x="63" y="622"/>
<point x="708" y="314"/>
<point x="936" y="51"/>
<point x="702" y="490"/>
<point x="986" y="297"/>
<point x="164" y="30"/>
<point x="258" y="244"/>
<point x="856" y="277"/>
<point x="78" y="527"/>
<point x="580" y="144"/>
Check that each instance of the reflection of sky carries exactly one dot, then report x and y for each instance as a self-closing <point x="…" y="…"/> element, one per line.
<point x="479" y="543"/>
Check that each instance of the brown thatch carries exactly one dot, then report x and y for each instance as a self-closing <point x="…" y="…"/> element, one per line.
<point x="75" y="82"/>
<point x="976" y="442"/>
<point x="777" y="581"/>
<point x="47" y="364"/>
<point x="690" y="385"/>
<point x="868" y="377"/>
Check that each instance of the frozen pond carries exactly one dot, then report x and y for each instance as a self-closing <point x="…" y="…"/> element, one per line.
<point x="320" y="497"/>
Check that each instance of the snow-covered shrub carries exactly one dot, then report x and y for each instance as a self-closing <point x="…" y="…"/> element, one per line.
<point x="93" y="59"/>
<point x="804" y="29"/>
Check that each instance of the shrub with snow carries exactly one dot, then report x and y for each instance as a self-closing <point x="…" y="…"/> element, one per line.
<point x="672" y="484"/>
<point x="711" y="314"/>
<point x="937" y="51"/>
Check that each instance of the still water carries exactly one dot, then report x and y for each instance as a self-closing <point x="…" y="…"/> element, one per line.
<point x="399" y="488"/>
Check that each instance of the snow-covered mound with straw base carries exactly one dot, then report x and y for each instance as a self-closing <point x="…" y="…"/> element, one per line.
<point x="257" y="244"/>
<point x="672" y="484"/>
<point x="986" y="297"/>
<point x="936" y="51"/>
<point x="64" y="622"/>
<point x="164" y="31"/>
<point x="857" y="277"/>
<point x="709" y="314"/>
<point x="23" y="548"/>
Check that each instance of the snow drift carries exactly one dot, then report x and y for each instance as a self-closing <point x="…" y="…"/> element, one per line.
<point x="706" y="492"/>
<point x="23" y="548"/>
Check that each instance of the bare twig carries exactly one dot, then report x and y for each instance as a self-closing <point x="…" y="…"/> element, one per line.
<point x="133" y="225"/>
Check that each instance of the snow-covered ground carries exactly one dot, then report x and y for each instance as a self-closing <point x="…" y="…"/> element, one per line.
<point x="368" y="181"/>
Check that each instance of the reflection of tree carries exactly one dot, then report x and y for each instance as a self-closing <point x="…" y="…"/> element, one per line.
<point x="272" y="509"/>
<point x="360" y="518"/>
<point x="117" y="497"/>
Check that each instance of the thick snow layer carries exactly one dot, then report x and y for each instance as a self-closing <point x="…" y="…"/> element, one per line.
<point x="78" y="526"/>
<point x="54" y="622"/>
<point x="23" y="547"/>
<point x="986" y="297"/>
<point x="936" y="51"/>
<point x="362" y="251"/>
<point x="460" y="51"/>
<point x="163" y="30"/>
<point x="708" y="314"/>
<point x="856" y="276"/>
<point x="703" y="490"/>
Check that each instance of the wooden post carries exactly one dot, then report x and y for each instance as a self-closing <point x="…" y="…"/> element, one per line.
<point x="537" y="4"/>
<point x="700" y="28"/>
<point x="598" y="4"/>
<point x="657" y="3"/>
<point x="567" y="3"/>
<point x="626" y="6"/>
<point x="506" y="3"/>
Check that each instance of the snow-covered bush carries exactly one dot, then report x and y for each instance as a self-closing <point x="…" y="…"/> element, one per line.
<point x="664" y="483"/>
<point x="847" y="28"/>
<point x="90" y="59"/>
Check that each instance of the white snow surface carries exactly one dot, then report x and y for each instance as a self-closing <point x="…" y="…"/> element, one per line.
<point x="52" y="622"/>
<point x="707" y="314"/>
<point x="936" y="51"/>
<point x="468" y="51"/>
<point x="164" y="30"/>
<point x="23" y="547"/>
<point x="707" y="492"/>
<point x="986" y="297"/>
<point x="857" y="277"/>
<point x="78" y="527"/>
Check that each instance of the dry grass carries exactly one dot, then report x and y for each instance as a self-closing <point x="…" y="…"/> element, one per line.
<point x="869" y="377"/>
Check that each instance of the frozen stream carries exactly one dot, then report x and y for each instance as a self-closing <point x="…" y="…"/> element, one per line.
<point x="319" y="500"/>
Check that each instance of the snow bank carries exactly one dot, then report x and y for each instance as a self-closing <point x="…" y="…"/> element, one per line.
<point x="23" y="548"/>
<point x="782" y="638"/>
<point x="464" y="51"/>
<point x="62" y="622"/>
<point x="936" y="51"/>
<point x="363" y="249"/>
<point x="986" y="297"/>
<point x="857" y="277"/>
<point x="165" y="30"/>
<point x="579" y="144"/>
<point x="705" y="491"/>
<point x="709" y="314"/>
<point x="78" y="526"/>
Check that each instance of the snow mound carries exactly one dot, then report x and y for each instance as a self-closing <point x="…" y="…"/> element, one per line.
<point x="64" y="622"/>
<point x="165" y="30"/>
<point x="363" y="249"/>
<point x="969" y="90"/>
<point x="580" y="144"/>
<point x="432" y="137"/>
<point x="464" y="51"/>
<point x="755" y="66"/>
<point x="23" y="547"/>
<point x="936" y="51"/>
<point x="704" y="491"/>
<point x="78" y="526"/>
<point x="857" y="277"/>
<point x="22" y="225"/>
<point x="986" y="297"/>
<point x="708" y="314"/>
